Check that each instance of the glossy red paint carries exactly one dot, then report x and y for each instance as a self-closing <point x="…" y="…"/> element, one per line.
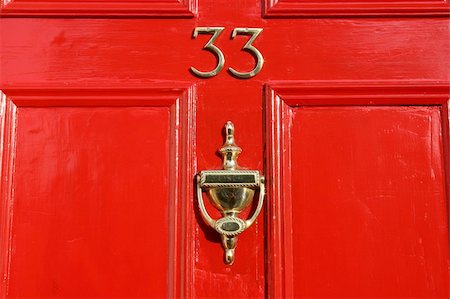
<point x="99" y="110"/>
<point x="373" y="197"/>
<point x="308" y="8"/>
<point x="108" y="228"/>
<point x="149" y="8"/>
<point x="380" y="202"/>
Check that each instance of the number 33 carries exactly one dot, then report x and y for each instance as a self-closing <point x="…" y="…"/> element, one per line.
<point x="216" y="31"/>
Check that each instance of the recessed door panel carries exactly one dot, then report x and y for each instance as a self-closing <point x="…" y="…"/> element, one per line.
<point x="86" y="183"/>
<point x="299" y="8"/>
<point x="153" y="8"/>
<point x="369" y="203"/>
<point x="91" y="186"/>
<point x="359" y="196"/>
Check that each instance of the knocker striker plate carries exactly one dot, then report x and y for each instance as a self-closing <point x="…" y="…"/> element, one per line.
<point x="230" y="191"/>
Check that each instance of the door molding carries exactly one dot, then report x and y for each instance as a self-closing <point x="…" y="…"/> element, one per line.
<point x="281" y="97"/>
<point x="302" y="8"/>
<point x="180" y="99"/>
<point x="172" y="8"/>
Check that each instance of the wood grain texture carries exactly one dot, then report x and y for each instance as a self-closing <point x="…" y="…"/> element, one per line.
<point x="308" y="8"/>
<point x="135" y="51"/>
<point x="51" y="217"/>
<point x="311" y="221"/>
<point x="147" y="8"/>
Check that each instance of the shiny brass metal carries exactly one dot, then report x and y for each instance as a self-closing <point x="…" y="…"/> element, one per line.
<point x="215" y="31"/>
<point x="230" y="191"/>
<point x="254" y="32"/>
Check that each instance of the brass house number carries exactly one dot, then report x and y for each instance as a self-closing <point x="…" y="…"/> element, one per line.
<point x="216" y="31"/>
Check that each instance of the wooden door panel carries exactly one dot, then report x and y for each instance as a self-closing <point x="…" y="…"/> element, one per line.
<point x="86" y="185"/>
<point x="153" y="8"/>
<point x="93" y="186"/>
<point x="360" y="192"/>
<point x="312" y="8"/>
<point x="369" y="206"/>
<point x="101" y="57"/>
<point x="75" y="52"/>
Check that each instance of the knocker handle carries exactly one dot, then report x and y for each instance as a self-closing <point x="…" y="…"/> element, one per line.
<point x="262" y="191"/>
<point x="208" y="219"/>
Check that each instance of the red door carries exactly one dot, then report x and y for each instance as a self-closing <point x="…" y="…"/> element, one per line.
<point x="104" y="127"/>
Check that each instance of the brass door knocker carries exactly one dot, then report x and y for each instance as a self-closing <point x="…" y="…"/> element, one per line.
<point x="230" y="191"/>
